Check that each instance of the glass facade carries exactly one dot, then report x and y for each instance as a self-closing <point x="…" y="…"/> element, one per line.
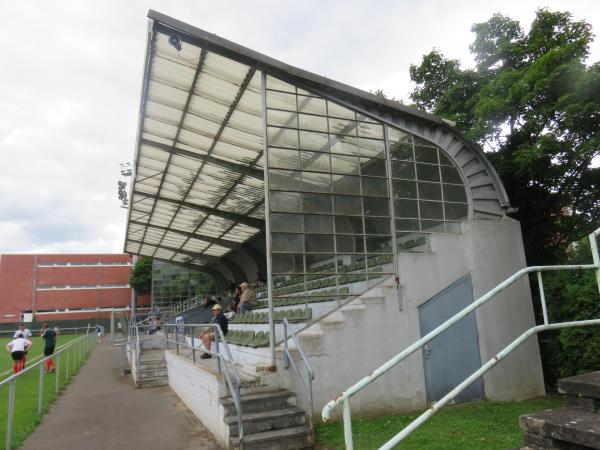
<point x="332" y="215"/>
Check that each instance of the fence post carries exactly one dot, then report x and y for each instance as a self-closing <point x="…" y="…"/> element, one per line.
<point x="177" y="338"/>
<point x="11" y="413"/>
<point x="56" y="380"/>
<point x="216" y="335"/>
<point x="347" y="425"/>
<point x="67" y="365"/>
<point x="41" y="389"/>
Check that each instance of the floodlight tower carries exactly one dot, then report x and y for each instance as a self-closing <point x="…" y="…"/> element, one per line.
<point x="126" y="171"/>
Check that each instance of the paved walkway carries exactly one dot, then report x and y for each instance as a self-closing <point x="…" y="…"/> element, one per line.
<point x="101" y="410"/>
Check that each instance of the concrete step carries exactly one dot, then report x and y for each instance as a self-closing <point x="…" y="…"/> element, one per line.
<point x="253" y="403"/>
<point x="562" y="428"/>
<point x="288" y="438"/>
<point x="275" y="419"/>
<point x="145" y="374"/>
<point x="154" y="381"/>
<point x="582" y="390"/>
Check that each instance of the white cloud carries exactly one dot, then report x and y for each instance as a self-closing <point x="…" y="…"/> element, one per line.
<point x="71" y="76"/>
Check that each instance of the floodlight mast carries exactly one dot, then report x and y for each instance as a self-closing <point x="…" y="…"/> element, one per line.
<point x="126" y="171"/>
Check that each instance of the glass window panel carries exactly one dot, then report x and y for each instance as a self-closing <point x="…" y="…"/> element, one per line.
<point x="345" y="204"/>
<point x="412" y="242"/>
<point x="407" y="225"/>
<point x="374" y="186"/>
<point x="288" y="263"/>
<point x="284" y="159"/>
<point x="376" y="206"/>
<point x="430" y="191"/>
<point x="450" y="175"/>
<point x="346" y="145"/>
<point x="344" y="164"/>
<point x="335" y="110"/>
<point x="281" y="242"/>
<point x="311" y="105"/>
<point x="453" y="227"/>
<point x="285" y="201"/>
<point x="456" y="211"/>
<point x="453" y="193"/>
<point x="314" y="141"/>
<point x="286" y="222"/>
<point x="285" y="180"/>
<point x="278" y="85"/>
<point x="349" y="225"/>
<point x="345" y="184"/>
<point x="315" y="162"/>
<point x="428" y="172"/>
<point x="364" y="118"/>
<point x="432" y="225"/>
<point x="373" y="167"/>
<point x="378" y="244"/>
<point x="406" y="208"/>
<point x="350" y="244"/>
<point x="404" y="189"/>
<point x="280" y="100"/>
<point x="371" y="130"/>
<point x="342" y="127"/>
<point x="395" y="134"/>
<point x="320" y="263"/>
<point x="402" y="150"/>
<point x="319" y="243"/>
<point x="317" y="203"/>
<point x="444" y="159"/>
<point x="431" y="210"/>
<point x="282" y="118"/>
<point x="371" y="148"/>
<point x="316" y="182"/>
<point x="401" y="169"/>
<point x="377" y="225"/>
<point x="426" y="154"/>
<point x="282" y="137"/>
<point x="318" y="224"/>
<point x="314" y="123"/>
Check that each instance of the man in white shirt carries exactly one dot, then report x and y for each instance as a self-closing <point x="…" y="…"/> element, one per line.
<point x="17" y="348"/>
<point x="25" y="334"/>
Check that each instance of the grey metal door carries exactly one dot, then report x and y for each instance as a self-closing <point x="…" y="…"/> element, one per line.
<point x="454" y="354"/>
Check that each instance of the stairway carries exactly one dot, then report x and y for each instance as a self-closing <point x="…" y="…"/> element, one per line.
<point x="271" y="419"/>
<point x="575" y="426"/>
<point x="153" y="369"/>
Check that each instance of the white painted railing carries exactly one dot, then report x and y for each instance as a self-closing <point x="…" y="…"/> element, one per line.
<point x="344" y="398"/>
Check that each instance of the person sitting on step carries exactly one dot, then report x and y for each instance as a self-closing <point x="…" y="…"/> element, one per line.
<point x="208" y="335"/>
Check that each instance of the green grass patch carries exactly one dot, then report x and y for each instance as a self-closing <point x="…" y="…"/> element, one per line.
<point x="482" y="425"/>
<point x="26" y="416"/>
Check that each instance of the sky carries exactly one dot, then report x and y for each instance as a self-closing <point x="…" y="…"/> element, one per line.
<point x="71" y="73"/>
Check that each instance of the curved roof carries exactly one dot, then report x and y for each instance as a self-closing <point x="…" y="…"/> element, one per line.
<point x="198" y="189"/>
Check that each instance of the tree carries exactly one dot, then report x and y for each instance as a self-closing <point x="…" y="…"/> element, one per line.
<point x="141" y="276"/>
<point x="533" y="103"/>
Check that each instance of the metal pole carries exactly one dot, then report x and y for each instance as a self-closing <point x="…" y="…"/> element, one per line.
<point x="57" y="378"/>
<point x="41" y="390"/>
<point x="595" y="256"/>
<point x="216" y="334"/>
<point x="112" y="326"/>
<point x="67" y="365"/>
<point x="11" y="413"/>
<point x="286" y="361"/>
<point x="167" y="337"/>
<point x="193" y="346"/>
<point x="177" y="338"/>
<point x="347" y="425"/>
<point x="542" y="297"/>
<point x="263" y="87"/>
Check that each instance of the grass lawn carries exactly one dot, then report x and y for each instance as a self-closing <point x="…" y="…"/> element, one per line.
<point x="482" y="425"/>
<point x="26" y="388"/>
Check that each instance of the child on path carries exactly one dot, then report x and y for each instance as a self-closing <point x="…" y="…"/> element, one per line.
<point x="17" y="348"/>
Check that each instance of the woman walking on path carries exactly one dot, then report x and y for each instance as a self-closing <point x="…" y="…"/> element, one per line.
<point x="17" y="348"/>
<point x="49" y="337"/>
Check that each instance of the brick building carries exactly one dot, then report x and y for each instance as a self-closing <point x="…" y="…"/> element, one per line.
<point x="74" y="286"/>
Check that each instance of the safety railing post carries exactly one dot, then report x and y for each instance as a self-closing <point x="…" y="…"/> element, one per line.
<point x="41" y="389"/>
<point x="67" y="365"/>
<point x="177" y="338"/>
<point x="11" y="413"/>
<point x="57" y="377"/>
<point x="167" y="337"/>
<point x="193" y="346"/>
<point x="286" y="361"/>
<point x="347" y="425"/>
<point x="595" y="255"/>
<point x="542" y="297"/>
<point x="216" y="334"/>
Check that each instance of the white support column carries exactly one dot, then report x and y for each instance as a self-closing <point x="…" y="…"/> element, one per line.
<point x="263" y="87"/>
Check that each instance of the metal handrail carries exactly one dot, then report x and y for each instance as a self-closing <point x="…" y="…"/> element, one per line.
<point x="287" y="358"/>
<point x="84" y="348"/>
<point x="345" y="396"/>
<point x="234" y="390"/>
